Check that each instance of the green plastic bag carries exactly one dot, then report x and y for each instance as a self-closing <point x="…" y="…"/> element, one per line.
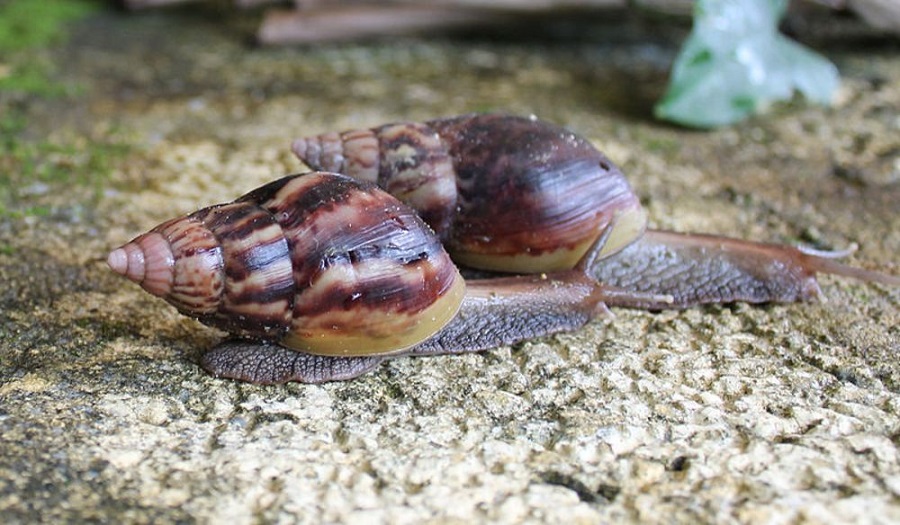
<point x="735" y="62"/>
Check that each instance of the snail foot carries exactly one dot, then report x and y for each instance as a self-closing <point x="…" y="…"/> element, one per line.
<point x="268" y="363"/>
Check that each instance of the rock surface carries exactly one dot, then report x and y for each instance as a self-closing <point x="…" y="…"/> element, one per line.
<point x="775" y="414"/>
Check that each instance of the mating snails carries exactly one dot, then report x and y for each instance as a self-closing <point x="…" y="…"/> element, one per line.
<point x="516" y="194"/>
<point x="322" y="276"/>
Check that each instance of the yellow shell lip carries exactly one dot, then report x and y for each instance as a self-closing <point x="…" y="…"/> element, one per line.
<point x="627" y="226"/>
<point x="410" y="330"/>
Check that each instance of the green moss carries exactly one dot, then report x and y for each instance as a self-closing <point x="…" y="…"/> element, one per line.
<point x="27" y="24"/>
<point x="32" y="172"/>
<point x="33" y="78"/>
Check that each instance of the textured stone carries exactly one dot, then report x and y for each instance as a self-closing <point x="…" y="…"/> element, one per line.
<point x="776" y="414"/>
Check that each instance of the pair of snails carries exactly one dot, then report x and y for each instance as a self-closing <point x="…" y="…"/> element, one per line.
<point x="321" y="276"/>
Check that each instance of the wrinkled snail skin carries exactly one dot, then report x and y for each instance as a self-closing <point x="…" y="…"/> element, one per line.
<point x="495" y="312"/>
<point x="499" y="189"/>
<point x="266" y="363"/>
<point x="320" y="277"/>
<point x="504" y="193"/>
<point x="695" y="269"/>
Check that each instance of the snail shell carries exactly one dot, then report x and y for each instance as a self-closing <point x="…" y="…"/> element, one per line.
<point x="300" y="261"/>
<point x="504" y="193"/>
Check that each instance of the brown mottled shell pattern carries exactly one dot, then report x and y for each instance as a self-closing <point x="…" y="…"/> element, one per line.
<point x="300" y="261"/>
<point x="337" y="272"/>
<point x="504" y="193"/>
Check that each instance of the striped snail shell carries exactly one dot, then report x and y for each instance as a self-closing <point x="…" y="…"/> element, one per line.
<point x="299" y="262"/>
<point x="504" y="193"/>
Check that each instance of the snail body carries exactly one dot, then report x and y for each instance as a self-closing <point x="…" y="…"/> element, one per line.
<point x="501" y="190"/>
<point x="320" y="276"/>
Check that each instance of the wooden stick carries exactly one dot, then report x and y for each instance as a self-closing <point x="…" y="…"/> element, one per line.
<point x="328" y="20"/>
<point x="344" y="23"/>
<point x="679" y="6"/>
<point x="147" y="4"/>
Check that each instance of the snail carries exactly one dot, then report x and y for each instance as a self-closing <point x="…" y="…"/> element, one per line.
<point x="503" y="193"/>
<point x="517" y="194"/>
<point x="321" y="277"/>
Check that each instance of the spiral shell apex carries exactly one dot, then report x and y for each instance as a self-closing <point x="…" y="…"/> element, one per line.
<point x="504" y="193"/>
<point x="319" y="263"/>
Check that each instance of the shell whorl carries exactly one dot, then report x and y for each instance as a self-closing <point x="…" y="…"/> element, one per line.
<point x="504" y="193"/>
<point x="319" y="263"/>
<point x="408" y="160"/>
